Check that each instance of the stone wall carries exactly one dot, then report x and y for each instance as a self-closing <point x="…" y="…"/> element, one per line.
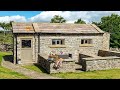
<point x="103" y="63"/>
<point x="82" y="56"/>
<point x="18" y="41"/>
<point x="14" y="50"/>
<point x="103" y="53"/>
<point x="67" y="66"/>
<point x="72" y="44"/>
<point x="42" y="43"/>
<point x="44" y="63"/>
<point x="106" y="41"/>
<point x="115" y="49"/>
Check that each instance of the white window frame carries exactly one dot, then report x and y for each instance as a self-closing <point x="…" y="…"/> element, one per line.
<point x="86" y="41"/>
<point x="58" y="41"/>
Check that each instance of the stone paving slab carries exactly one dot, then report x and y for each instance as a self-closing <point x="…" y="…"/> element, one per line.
<point x="30" y="73"/>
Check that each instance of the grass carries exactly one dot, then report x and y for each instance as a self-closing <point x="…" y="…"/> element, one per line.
<point x="3" y="54"/>
<point x="103" y="74"/>
<point x="35" y="68"/>
<point x="7" y="73"/>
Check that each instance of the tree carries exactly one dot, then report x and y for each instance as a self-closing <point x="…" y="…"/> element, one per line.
<point x="80" y="21"/>
<point x="57" y="19"/>
<point x="5" y="26"/>
<point x="111" y="24"/>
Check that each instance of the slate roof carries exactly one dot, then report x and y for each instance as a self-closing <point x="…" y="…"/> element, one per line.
<point x="54" y="28"/>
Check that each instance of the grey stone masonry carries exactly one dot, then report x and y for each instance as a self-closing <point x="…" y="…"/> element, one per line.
<point x="104" y="53"/>
<point x="102" y="63"/>
<point x="42" y="43"/>
<point x="106" y="41"/>
<point x="67" y="66"/>
<point x="72" y="44"/>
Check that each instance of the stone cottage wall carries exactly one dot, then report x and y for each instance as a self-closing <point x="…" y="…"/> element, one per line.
<point x="14" y="46"/>
<point x="106" y="41"/>
<point x="72" y="44"/>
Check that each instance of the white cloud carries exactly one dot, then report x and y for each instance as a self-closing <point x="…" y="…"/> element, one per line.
<point x="72" y="16"/>
<point x="16" y="18"/>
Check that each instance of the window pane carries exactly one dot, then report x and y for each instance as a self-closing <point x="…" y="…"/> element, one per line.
<point x="86" y="41"/>
<point x="53" y="42"/>
<point x="58" y="41"/>
<point x="89" y="41"/>
<point x="61" y="41"/>
<point x="26" y="43"/>
<point x="82" y="41"/>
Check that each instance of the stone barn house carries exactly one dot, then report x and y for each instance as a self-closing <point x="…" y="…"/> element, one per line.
<point x="33" y="42"/>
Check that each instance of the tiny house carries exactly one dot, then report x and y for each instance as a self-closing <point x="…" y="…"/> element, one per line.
<point x="31" y="39"/>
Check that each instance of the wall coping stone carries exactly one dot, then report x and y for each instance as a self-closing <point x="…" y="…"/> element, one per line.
<point x="101" y="58"/>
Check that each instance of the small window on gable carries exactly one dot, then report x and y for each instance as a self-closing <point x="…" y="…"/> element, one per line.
<point x="57" y="41"/>
<point x="86" y="41"/>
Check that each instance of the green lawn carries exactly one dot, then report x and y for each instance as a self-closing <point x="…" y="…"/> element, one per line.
<point x="7" y="73"/>
<point x="35" y="68"/>
<point x="103" y="74"/>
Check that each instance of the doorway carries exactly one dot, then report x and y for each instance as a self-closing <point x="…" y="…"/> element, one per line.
<point x="26" y="50"/>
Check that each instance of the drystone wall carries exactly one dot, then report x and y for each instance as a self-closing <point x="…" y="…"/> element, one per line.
<point x="67" y="66"/>
<point x="104" y="63"/>
<point x="103" y="53"/>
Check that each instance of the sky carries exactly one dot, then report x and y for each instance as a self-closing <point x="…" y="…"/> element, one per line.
<point x="45" y="16"/>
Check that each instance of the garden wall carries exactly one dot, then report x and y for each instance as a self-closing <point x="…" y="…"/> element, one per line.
<point x="67" y="66"/>
<point x="103" y="53"/>
<point x="103" y="63"/>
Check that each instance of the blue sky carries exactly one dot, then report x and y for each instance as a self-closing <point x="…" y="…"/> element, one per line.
<point x="45" y="16"/>
<point x="27" y="14"/>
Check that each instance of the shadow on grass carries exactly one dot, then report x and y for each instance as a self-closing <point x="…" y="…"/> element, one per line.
<point x="42" y="69"/>
<point x="8" y="58"/>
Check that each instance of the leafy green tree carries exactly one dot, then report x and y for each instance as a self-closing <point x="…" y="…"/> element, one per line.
<point x="57" y="19"/>
<point x="80" y="21"/>
<point x="5" y="26"/>
<point x="111" y="24"/>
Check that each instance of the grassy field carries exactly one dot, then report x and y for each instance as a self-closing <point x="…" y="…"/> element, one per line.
<point x="103" y="74"/>
<point x="7" y="73"/>
<point x="35" y="68"/>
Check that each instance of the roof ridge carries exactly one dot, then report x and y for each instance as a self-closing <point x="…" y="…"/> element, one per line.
<point x="35" y="26"/>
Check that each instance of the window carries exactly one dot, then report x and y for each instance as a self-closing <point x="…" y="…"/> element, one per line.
<point x="58" y="42"/>
<point x="26" y="43"/>
<point x="86" y="41"/>
<point x="70" y="55"/>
